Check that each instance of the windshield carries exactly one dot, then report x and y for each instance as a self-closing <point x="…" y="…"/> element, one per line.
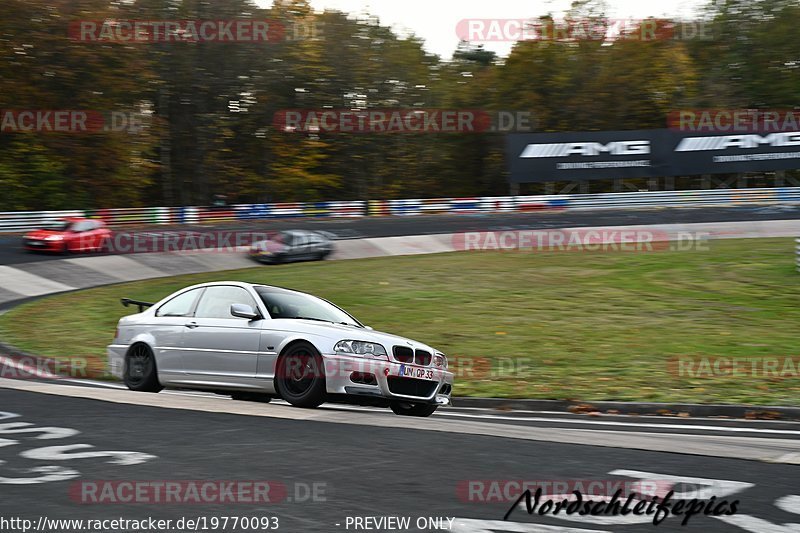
<point x="283" y="303"/>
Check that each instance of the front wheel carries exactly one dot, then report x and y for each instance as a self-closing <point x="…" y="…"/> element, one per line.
<point x="140" y="370"/>
<point x="413" y="409"/>
<point x="300" y="376"/>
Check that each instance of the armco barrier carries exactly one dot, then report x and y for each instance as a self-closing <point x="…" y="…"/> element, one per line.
<point x="22" y="221"/>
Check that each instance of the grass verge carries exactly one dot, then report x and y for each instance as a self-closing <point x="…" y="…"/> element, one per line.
<point x="558" y="325"/>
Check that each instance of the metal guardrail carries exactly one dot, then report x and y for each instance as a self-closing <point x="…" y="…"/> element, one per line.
<point x="19" y="221"/>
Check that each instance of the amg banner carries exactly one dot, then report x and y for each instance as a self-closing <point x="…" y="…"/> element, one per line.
<point x="646" y="154"/>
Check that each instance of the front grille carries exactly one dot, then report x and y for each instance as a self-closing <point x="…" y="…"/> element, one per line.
<point x="411" y="387"/>
<point x="404" y="354"/>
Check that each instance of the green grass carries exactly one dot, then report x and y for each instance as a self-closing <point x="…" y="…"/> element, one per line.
<point x="563" y="325"/>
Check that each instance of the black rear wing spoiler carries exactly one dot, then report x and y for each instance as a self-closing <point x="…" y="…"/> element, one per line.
<point x="127" y="301"/>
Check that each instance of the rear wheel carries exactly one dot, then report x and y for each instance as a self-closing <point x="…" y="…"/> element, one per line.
<point x="413" y="409"/>
<point x="140" y="370"/>
<point x="300" y="376"/>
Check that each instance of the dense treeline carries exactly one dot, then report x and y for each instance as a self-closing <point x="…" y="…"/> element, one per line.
<point x="209" y="107"/>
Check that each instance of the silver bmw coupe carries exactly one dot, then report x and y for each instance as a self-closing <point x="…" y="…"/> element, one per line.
<point x="256" y="342"/>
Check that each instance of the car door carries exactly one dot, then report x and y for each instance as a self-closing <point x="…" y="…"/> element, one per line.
<point x="219" y="348"/>
<point x="301" y="246"/>
<point x="74" y="239"/>
<point x="322" y="246"/>
<point x="86" y="235"/>
<point x="290" y="242"/>
<point x="89" y="235"/>
<point x="312" y="246"/>
<point x="167" y="329"/>
<point x="96" y="234"/>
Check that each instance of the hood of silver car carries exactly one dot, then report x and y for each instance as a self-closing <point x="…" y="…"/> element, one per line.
<point x="338" y="332"/>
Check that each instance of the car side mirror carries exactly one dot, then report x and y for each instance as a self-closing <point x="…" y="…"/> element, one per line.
<point x="368" y="327"/>
<point x="244" y="311"/>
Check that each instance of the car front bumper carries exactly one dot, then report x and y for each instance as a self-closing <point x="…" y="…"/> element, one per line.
<point x="356" y="376"/>
<point x="38" y="245"/>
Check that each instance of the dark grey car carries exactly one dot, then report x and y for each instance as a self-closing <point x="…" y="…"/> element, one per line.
<point x="292" y="245"/>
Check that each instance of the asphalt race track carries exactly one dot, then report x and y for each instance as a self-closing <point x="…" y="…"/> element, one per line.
<point x="347" y="228"/>
<point x="68" y="448"/>
<point x="340" y="462"/>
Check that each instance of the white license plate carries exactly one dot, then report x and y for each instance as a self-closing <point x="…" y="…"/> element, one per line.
<point x="417" y="372"/>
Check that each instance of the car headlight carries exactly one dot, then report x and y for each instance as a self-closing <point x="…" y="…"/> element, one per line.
<point x="54" y="238"/>
<point x="360" y="348"/>
<point x="440" y="360"/>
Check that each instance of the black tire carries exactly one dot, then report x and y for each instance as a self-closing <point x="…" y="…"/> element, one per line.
<point x="251" y="397"/>
<point x="413" y="409"/>
<point x="140" y="369"/>
<point x="300" y="376"/>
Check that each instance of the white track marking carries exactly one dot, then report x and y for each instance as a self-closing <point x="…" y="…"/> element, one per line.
<point x="627" y="424"/>
<point x="789" y="458"/>
<point x="97" y="383"/>
<point x="28" y="284"/>
<point x="46" y="432"/>
<point x="47" y="474"/>
<point x="44" y="374"/>
<point x="790" y="504"/>
<point x="566" y="414"/>
<point x="720" y="488"/>
<point x="27" y="369"/>
<point x="758" y="525"/>
<point x="59" y="453"/>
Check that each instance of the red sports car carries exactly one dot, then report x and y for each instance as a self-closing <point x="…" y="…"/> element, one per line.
<point x="69" y="235"/>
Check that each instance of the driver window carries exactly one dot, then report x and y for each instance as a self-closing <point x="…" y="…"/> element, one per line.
<point x="81" y="226"/>
<point x="216" y="301"/>
<point x="181" y="305"/>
